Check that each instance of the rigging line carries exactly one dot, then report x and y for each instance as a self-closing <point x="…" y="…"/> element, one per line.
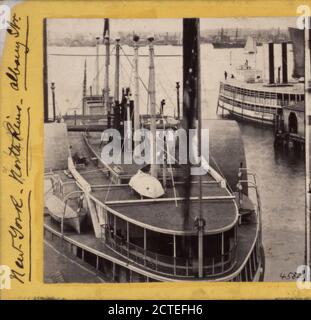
<point x="220" y="172"/>
<point x="145" y="87"/>
<point x="131" y="77"/>
<point x="171" y="171"/>
<point x="78" y="104"/>
<point x="103" y="55"/>
<point x="101" y="69"/>
<point x="167" y="95"/>
<point x="124" y="70"/>
<point x="131" y="64"/>
<point x="163" y="87"/>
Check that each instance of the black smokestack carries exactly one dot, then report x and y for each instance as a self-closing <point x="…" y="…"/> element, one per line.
<point x="284" y="62"/>
<point x="271" y="62"/>
<point x="190" y="70"/>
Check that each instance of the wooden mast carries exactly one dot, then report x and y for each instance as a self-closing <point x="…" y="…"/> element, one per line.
<point x="97" y="68"/>
<point x="178" y="100"/>
<point x="136" y="106"/>
<point x="84" y="89"/>
<point x="117" y="73"/>
<point x="107" y="62"/>
<point x="53" y="101"/>
<point x="151" y="91"/>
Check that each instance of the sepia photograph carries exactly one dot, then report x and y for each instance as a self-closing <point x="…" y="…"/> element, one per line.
<point x="174" y="150"/>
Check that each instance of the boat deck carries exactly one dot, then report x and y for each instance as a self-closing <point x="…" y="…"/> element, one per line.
<point x="291" y="88"/>
<point x="166" y="213"/>
<point x="219" y="210"/>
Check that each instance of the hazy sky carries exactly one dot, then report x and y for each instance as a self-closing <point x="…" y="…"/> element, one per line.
<point x="61" y="27"/>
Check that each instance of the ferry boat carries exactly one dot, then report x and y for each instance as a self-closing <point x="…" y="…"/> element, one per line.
<point x="157" y="222"/>
<point x="249" y="97"/>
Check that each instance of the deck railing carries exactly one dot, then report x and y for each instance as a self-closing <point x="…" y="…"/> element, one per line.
<point x="168" y="265"/>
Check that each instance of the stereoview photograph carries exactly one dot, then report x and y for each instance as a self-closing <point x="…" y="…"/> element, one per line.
<point x="174" y="150"/>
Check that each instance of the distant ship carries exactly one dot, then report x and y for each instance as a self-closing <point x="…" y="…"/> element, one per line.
<point x="251" y="46"/>
<point x="224" y="41"/>
<point x="278" y="102"/>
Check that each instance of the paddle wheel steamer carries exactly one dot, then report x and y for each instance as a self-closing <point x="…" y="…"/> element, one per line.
<point x="145" y="223"/>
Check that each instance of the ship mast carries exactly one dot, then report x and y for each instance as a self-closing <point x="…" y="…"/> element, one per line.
<point x="136" y="106"/>
<point x="84" y="89"/>
<point x="97" y="67"/>
<point x="152" y="98"/>
<point x="107" y="62"/>
<point x="117" y="73"/>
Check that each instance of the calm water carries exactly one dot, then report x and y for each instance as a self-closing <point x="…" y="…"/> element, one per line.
<point x="281" y="176"/>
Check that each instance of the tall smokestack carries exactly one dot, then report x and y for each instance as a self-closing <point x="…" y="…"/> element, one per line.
<point x="271" y="62"/>
<point x="284" y="62"/>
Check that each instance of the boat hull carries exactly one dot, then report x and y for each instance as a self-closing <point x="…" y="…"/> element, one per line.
<point x="262" y="118"/>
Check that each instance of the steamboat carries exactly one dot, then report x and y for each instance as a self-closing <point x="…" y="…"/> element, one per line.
<point x="277" y="102"/>
<point x="148" y="223"/>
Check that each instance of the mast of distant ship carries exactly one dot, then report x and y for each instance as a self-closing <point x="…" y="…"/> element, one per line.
<point x="107" y="62"/>
<point x="152" y="99"/>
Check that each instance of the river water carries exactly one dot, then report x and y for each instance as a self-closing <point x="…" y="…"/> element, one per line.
<point x="281" y="175"/>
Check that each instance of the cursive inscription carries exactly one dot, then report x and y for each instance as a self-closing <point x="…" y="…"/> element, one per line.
<point x="21" y="49"/>
<point x="17" y="235"/>
<point x="15" y="148"/>
<point x="17" y="128"/>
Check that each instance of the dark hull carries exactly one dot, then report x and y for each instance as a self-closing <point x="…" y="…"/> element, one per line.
<point x="228" y="45"/>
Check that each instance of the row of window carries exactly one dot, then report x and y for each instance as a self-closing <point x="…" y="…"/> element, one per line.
<point x="114" y="273"/>
<point x="248" y="106"/>
<point x="261" y="97"/>
<point x="170" y="254"/>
